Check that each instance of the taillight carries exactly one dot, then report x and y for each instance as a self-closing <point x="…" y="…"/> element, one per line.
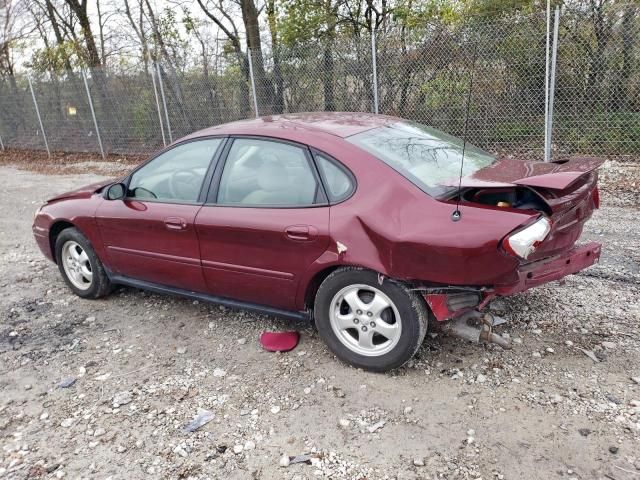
<point x="524" y="242"/>
<point x="596" y="197"/>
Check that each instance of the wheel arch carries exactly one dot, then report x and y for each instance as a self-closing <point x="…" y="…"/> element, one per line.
<point x="54" y="231"/>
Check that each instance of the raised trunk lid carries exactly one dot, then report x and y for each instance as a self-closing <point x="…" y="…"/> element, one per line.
<point x="568" y="190"/>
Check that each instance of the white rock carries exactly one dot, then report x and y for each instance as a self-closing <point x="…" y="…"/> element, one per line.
<point x="636" y="380"/>
<point x="237" y="449"/>
<point x="344" y="423"/>
<point x="307" y="391"/>
<point x="408" y="410"/>
<point x="376" y="426"/>
<point x="181" y="350"/>
<point x="568" y="343"/>
<point x="122" y="398"/>
<point x="418" y="462"/>
<point x="481" y="378"/>
<point x="275" y="409"/>
<point x="242" y="341"/>
<point x="99" y="432"/>
<point x="609" y="345"/>
<point x="218" y="372"/>
<point x="249" y="445"/>
<point x="284" y="461"/>
<point x="66" y="423"/>
<point x="44" y="416"/>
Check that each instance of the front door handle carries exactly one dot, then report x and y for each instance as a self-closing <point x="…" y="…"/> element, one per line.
<point x="300" y="232"/>
<point x="175" y="223"/>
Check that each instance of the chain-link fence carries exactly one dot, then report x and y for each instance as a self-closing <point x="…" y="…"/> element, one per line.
<point x="422" y="74"/>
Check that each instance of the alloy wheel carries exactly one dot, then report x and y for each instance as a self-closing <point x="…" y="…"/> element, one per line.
<point x="77" y="265"/>
<point x="365" y="320"/>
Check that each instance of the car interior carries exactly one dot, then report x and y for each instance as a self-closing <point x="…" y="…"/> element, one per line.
<point x="267" y="173"/>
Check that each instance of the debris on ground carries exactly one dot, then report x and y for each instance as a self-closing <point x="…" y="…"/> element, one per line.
<point x="279" y="341"/>
<point x="200" y="420"/>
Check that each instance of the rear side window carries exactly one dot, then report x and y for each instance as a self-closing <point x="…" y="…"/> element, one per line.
<point x="266" y="173"/>
<point x="338" y="183"/>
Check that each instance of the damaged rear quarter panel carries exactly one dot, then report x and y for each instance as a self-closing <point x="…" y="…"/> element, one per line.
<point x="396" y="229"/>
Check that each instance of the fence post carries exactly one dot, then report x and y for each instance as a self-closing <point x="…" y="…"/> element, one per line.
<point x="552" y="86"/>
<point x="374" y="64"/>
<point x="93" y="114"/>
<point x="164" y="102"/>
<point x="35" y="103"/>
<point x="546" y="86"/>
<point x="155" y="93"/>
<point x="253" y="81"/>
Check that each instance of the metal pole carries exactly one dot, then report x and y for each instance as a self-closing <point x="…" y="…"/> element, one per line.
<point x="44" y="135"/>
<point x="552" y="86"/>
<point x="93" y="114"/>
<point x="253" y="82"/>
<point x="164" y="102"/>
<point x="1" y="144"/>
<point x="547" y="146"/>
<point x="375" y="71"/>
<point x="155" y="93"/>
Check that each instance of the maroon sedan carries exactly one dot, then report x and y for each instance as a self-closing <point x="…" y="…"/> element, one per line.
<point x="360" y="222"/>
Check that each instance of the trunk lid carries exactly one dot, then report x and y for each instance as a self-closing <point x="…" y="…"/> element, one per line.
<point x="551" y="175"/>
<point x="565" y="191"/>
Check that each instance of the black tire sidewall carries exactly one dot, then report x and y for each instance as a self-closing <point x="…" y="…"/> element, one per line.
<point x="100" y="285"/>
<point x="413" y="315"/>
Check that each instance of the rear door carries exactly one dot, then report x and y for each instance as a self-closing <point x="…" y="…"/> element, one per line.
<point x="266" y="220"/>
<point x="150" y="235"/>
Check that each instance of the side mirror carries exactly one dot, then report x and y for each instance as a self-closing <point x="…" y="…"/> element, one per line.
<point x="115" y="192"/>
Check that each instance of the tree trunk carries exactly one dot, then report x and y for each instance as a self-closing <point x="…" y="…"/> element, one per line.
<point x="264" y="87"/>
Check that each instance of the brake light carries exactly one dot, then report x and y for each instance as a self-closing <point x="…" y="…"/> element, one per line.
<point x="596" y="197"/>
<point x="524" y="242"/>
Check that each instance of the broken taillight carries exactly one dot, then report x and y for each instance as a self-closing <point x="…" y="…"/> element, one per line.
<point x="524" y="242"/>
<point x="596" y="197"/>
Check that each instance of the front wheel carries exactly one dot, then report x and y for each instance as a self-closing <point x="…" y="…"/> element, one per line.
<point x="370" y="324"/>
<point x="79" y="265"/>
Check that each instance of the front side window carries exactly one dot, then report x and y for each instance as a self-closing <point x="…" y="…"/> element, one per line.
<point x="177" y="174"/>
<point x="427" y="157"/>
<point x="262" y="173"/>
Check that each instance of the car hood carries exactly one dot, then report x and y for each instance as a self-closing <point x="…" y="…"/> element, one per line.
<point x="552" y="175"/>
<point x="83" y="192"/>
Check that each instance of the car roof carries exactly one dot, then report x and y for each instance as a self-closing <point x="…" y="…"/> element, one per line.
<point x="339" y="124"/>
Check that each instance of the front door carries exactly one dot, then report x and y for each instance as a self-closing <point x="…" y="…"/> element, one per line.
<point x="150" y="235"/>
<point x="266" y="221"/>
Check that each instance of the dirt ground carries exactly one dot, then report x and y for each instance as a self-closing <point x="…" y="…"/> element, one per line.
<point x="564" y="403"/>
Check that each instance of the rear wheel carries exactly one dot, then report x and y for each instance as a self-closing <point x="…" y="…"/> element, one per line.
<point x="79" y="265"/>
<point x="373" y="325"/>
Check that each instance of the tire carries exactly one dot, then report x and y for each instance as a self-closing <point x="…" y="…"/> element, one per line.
<point x="375" y="337"/>
<point x="79" y="265"/>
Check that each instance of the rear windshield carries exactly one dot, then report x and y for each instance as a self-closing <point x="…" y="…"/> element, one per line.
<point x="427" y="157"/>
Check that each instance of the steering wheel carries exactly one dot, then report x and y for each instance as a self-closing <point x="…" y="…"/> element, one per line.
<point x="183" y="184"/>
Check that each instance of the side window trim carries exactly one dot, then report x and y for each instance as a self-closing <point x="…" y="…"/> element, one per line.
<point x="320" y="198"/>
<point x="338" y="164"/>
<point x="215" y="159"/>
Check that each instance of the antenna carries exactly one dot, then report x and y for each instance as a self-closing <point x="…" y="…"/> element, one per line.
<point x="457" y="214"/>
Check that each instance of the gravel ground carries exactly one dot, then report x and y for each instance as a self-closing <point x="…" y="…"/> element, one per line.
<point x="565" y="403"/>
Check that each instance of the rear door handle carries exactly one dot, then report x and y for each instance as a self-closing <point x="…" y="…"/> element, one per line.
<point x="175" y="223"/>
<point x="300" y="232"/>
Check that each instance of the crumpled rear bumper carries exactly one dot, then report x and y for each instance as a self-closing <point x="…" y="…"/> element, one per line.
<point x="549" y="269"/>
<point x="446" y="306"/>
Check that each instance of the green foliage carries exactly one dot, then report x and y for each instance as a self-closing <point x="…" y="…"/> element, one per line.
<point x="55" y="59"/>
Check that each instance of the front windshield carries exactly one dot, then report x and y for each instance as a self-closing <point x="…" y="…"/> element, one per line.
<point x="427" y="157"/>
